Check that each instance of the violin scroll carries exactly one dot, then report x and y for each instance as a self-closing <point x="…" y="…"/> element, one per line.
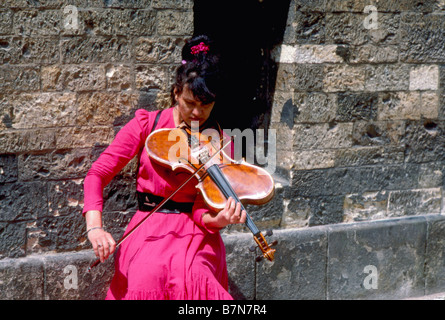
<point x="266" y="250"/>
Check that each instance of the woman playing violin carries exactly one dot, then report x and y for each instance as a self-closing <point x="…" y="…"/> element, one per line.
<point x="178" y="252"/>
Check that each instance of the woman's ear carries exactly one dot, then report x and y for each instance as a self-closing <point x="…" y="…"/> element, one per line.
<point x="176" y="93"/>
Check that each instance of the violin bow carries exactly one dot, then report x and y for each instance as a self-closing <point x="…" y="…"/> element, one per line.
<point x="159" y="205"/>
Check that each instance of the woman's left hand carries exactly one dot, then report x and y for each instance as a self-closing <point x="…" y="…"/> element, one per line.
<point x="231" y="214"/>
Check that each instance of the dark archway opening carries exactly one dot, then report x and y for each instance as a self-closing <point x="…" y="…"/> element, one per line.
<point x="246" y="32"/>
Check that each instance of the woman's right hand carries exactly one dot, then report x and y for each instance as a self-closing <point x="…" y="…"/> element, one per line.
<point x="103" y="243"/>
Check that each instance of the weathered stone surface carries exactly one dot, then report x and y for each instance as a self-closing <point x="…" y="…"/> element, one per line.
<point x="416" y="30"/>
<point x="19" y="78"/>
<point x="8" y="168"/>
<point x="424" y="141"/>
<point x="354" y="107"/>
<point x="415" y="202"/>
<point x="73" y="78"/>
<point x="177" y="23"/>
<point x="298" y="271"/>
<point x="67" y="279"/>
<point x="410" y="105"/>
<point x="240" y="265"/>
<point x="33" y="110"/>
<point x="26" y="50"/>
<point x="166" y="50"/>
<point x="379" y="260"/>
<point x="21" y="279"/>
<point x="95" y="50"/>
<point x="424" y="78"/>
<point x="343" y="78"/>
<point x="320" y="136"/>
<point x="28" y="140"/>
<point x="434" y="264"/>
<point x="337" y="181"/>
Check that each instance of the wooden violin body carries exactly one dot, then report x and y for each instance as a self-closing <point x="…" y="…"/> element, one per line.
<point x="219" y="176"/>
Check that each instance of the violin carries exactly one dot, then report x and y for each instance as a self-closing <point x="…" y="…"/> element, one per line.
<point x="219" y="176"/>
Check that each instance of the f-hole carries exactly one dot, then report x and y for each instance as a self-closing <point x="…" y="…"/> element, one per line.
<point x="246" y="32"/>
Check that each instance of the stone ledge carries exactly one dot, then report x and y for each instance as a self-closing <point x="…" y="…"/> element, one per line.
<point x="388" y="259"/>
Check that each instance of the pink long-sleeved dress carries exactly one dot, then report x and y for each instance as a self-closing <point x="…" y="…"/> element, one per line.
<point x="172" y="255"/>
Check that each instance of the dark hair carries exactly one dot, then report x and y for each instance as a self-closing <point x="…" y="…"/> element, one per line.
<point x="199" y="71"/>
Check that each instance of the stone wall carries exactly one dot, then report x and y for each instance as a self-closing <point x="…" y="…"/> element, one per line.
<point x="72" y="73"/>
<point x="358" y="110"/>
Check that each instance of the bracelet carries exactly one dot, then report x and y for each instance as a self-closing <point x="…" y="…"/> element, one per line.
<point x="92" y="229"/>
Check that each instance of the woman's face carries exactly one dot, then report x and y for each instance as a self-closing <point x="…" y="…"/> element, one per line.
<point x="190" y="109"/>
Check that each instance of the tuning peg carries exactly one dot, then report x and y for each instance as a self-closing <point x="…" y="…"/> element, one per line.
<point x="259" y="258"/>
<point x="274" y="243"/>
<point x="269" y="232"/>
<point x="252" y="248"/>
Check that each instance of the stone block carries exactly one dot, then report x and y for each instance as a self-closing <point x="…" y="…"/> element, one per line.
<point x="299" y="268"/>
<point x="417" y="30"/>
<point x="320" y="136"/>
<point x="408" y="105"/>
<point x="32" y="22"/>
<point x="73" y="78"/>
<point x="305" y="27"/>
<point x="78" y="137"/>
<point x="12" y="141"/>
<point x="22" y="201"/>
<point x="37" y="110"/>
<point x="116" y="22"/>
<point x="240" y="265"/>
<point x="8" y="168"/>
<point x="22" y="279"/>
<point x="371" y="53"/>
<point x="314" y="159"/>
<point x="165" y="50"/>
<point x="149" y="77"/>
<point x="174" y="23"/>
<point x="365" y="156"/>
<point x="12" y="238"/>
<point x="307" y="53"/>
<point x="344" y="78"/>
<point x="5" y="22"/>
<point x="342" y="181"/>
<point x="378" y="133"/>
<point x="387" y="78"/>
<point x="66" y="277"/>
<point x="377" y="260"/>
<point x="382" y="6"/>
<point x="424" y="77"/>
<point x="105" y="108"/>
<point x="303" y="77"/>
<point x="357" y="106"/>
<point x="366" y="206"/>
<point x="434" y="258"/>
<point x="415" y="202"/>
<point x="95" y="50"/>
<point x="27" y="50"/>
<point x="19" y="78"/>
<point x="424" y="141"/>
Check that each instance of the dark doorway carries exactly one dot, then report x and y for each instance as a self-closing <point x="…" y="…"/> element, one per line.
<point x="246" y="31"/>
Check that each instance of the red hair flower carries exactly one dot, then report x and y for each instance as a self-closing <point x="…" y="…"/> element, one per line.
<point x="199" y="48"/>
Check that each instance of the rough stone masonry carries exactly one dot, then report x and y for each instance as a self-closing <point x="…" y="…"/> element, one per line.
<point x="358" y="108"/>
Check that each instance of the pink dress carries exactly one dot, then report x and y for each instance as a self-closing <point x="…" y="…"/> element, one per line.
<point x="171" y="256"/>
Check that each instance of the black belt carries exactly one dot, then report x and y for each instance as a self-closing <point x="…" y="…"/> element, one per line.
<point x="148" y="201"/>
